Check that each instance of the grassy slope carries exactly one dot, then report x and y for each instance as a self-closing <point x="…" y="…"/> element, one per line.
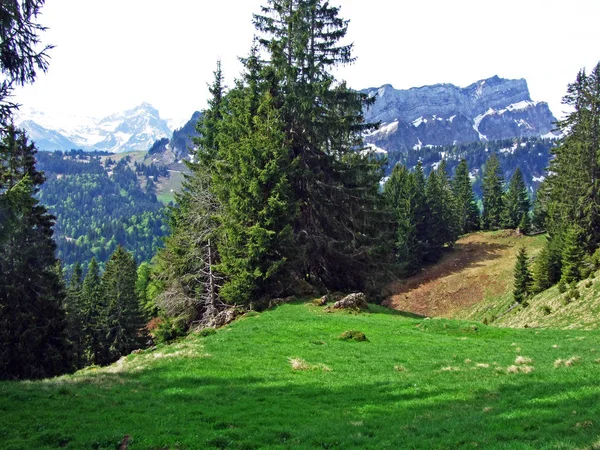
<point x="416" y="384"/>
<point x="550" y="309"/>
<point x="473" y="281"/>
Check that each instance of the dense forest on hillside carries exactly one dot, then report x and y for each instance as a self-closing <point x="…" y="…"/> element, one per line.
<point x="100" y="205"/>
<point x="530" y="155"/>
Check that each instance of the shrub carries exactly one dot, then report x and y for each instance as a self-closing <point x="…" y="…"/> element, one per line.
<point x="166" y="331"/>
<point x="562" y="287"/>
<point x="546" y="310"/>
<point x="353" y="335"/>
<point x="207" y="332"/>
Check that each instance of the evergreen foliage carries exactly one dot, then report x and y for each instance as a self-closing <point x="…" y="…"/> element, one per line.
<point x="99" y="205"/>
<point x="94" y="315"/>
<point x="523" y="279"/>
<point x="21" y="56"/>
<point x="467" y="210"/>
<point x="33" y="338"/>
<point x="516" y="201"/>
<point x="573" y="253"/>
<point x="492" y="187"/>
<point x="123" y="320"/>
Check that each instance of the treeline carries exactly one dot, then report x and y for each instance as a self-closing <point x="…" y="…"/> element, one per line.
<point x="568" y="201"/>
<point x="100" y="206"/>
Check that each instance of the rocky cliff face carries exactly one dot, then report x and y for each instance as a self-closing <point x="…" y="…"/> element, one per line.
<point x="173" y="151"/>
<point x="445" y="114"/>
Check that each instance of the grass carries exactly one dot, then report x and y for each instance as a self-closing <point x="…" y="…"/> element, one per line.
<point x="284" y="379"/>
<point x="551" y="309"/>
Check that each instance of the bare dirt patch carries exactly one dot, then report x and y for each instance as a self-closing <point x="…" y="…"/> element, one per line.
<point x="467" y="273"/>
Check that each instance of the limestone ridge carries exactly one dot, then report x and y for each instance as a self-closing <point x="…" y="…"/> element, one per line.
<point x="444" y="114"/>
<point x="172" y="151"/>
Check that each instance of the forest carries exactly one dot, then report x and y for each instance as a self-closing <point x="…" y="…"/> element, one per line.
<point x="101" y="204"/>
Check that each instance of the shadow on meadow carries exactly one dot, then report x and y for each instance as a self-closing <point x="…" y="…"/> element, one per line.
<point x="161" y="411"/>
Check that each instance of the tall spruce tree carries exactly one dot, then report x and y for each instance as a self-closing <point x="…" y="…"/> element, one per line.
<point x="336" y="188"/>
<point x="184" y="274"/>
<point x="516" y="201"/>
<point x="399" y="192"/>
<point x="467" y="210"/>
<point x="573" y="196"/>
<point x="33" y="338"/>
<point x="492" y="187"/>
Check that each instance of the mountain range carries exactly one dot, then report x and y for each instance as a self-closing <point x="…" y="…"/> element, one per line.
<point x="410" y="119"/>
<point x="133" y="130"/>
<point x="444" y="114"/>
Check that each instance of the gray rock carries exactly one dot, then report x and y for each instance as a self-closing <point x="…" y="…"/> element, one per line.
<point x="352" y="301"/>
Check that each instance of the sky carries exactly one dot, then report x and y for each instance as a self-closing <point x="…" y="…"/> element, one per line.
<point x="111" y="55"/>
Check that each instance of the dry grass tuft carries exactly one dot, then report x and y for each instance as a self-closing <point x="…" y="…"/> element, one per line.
<point x="572" y="361"/>
<point x="522" y="360"/>
<point x="584" y="424"/>
<point x="558" y="363"/>
<point x="482" y="365"/>
<point x="450" y="369"/>
<point x="300" y="364"/>
<point x="555" y="346"/>
<point x="468" y="361"/>
<point x="512" y="369"/>
<point x="399" y="368"/>
<point x="527" y="369"/>
<point x="487" y="409"/>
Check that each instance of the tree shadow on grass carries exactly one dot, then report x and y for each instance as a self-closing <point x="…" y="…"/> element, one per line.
<point x="307" y="410"/>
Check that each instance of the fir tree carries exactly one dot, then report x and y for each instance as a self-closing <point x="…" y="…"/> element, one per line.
<point x="124" y="323"/>
<point x="74" y="308"/>
<point x="467" y="210"/>
<point x="572" y="256"/>
<point x="516" y="201"/>
<point x="94" y="315"/>
<point x="399" y="191"/>
<point x="523" y="279"/>
<point x="341" y="222"/>
<point x="547" y="267"/>
<point x="33" y="339"/>
<point x="493" y="205"/>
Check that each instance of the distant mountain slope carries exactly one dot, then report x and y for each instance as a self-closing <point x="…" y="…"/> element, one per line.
<point x="168" y="152"/>
<point x="445" y="114"/>
<point x="132" y="130"/>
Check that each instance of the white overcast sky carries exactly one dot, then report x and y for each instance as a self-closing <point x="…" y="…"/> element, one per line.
<point x="111" y="55"/>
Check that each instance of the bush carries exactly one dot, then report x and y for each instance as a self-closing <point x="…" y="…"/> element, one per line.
<point x="207" y="332"/>
<point x="562" y="286"/>
<point x="353" y="335"/>
<point x="546" y="310"/>
<point x="165" y="331"/>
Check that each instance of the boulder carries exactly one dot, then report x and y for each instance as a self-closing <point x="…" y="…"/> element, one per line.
<point x="353" y="301"/>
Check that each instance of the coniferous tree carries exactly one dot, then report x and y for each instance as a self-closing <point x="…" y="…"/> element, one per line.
<point x="74" y="308"/>
<point x="572" y="256"/>
<point x="340" y="218"/>
<point x="399" y="191"/>
<point x="94" y="315"/>
<point x="523" y="279"/>
<point x="421" y="213"/>
<point x="33" y="338"/>
<point x="493" y="204"/>
<point x="124" y="322"/>
<point x="467" y="210"/>
<point x="186" y="283"/>
<point x="547" y="267"/>
<point x="516" y="201"/>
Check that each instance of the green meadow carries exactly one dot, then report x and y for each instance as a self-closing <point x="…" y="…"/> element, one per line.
<point x="284" y="379"/>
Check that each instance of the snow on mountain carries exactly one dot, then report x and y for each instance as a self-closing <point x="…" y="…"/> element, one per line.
<point x="444" y="114"/>
<point x="133" y="130"/>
